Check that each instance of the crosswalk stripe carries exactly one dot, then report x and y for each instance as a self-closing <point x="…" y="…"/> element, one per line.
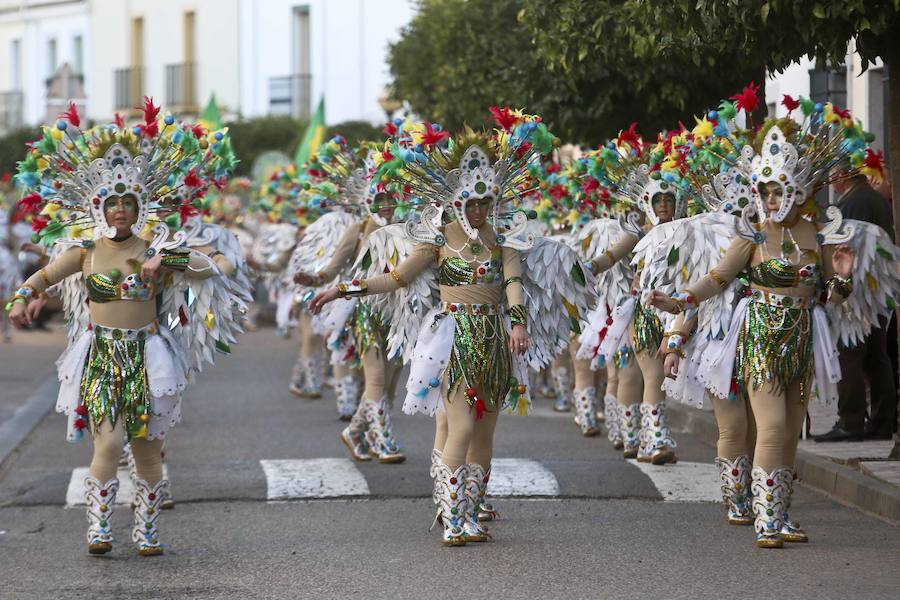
<point x="291" y="479"/>
<point x="684" y="481"/>
<point x="521" y="477"/>
<point x="313" y="478"/>
<point x="75" y="491"/>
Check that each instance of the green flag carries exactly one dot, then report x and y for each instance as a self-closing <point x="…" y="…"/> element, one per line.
<point x="315" y="135"/>
<point x="211" y="118"/>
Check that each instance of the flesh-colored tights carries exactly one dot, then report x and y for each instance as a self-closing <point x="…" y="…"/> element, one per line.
<point x="779" y="419"/>
<point x="380" y="375"/>
<point x="108" y="442"/>
<point x="459" y="436"/>
<point x="341" y="370"/>
<point x="310" y="343"/>
<point x="641" y="380"/>
<point x="585" y="377"/>
<point x="612" y="380"/>
<point x="737" y="427"/>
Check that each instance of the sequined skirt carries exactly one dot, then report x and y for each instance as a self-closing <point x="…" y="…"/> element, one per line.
<point x="114" y="382"/>
<point x="775" y="347"/>
<point x="648" y="330"/>
<point x="480" y="358"/>
<point x="368" y="329"/>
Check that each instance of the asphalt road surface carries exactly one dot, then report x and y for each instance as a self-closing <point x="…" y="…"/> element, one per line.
<point x="269" y="506"/>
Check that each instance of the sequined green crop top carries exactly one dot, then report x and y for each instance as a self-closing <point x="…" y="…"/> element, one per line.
<point x="780" y="273"/>
<point x="455" y="270"/>
<point x="107" y="288"/>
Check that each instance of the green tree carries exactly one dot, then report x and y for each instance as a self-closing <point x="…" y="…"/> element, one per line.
<point x="587" y="67"/>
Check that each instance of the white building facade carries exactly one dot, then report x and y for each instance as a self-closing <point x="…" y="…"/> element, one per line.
<point x="258" y="57"/>
<point x="864" y="93"/>
<point x="37" y="37"/>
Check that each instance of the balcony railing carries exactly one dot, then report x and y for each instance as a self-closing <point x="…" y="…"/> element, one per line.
<point x="291" y="95"/>
<point x="129" y="88"/>
<point x="11" y="116"/>
<point x="181" y="87"/>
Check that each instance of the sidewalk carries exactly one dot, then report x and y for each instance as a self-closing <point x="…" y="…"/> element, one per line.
<point x="27" y="382"/>
<point x="855" y="473"/>
<point x="25" y="362"/>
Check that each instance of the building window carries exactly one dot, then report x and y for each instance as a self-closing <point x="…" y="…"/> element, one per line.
<point x="52" y="57"/>
<point x="15" y="65"/>
<point x="78" y="49"/>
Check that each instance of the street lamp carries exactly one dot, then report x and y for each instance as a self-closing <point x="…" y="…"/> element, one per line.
<point x="388" y="103"/>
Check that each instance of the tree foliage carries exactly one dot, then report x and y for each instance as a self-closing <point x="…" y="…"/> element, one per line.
<point x="587" y="66"/>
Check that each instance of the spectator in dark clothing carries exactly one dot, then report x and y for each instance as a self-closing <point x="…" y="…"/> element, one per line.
<point x="869" y="360"/>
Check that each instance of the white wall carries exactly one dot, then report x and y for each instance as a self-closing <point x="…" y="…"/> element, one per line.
<point x="794" y="81"/>
<point x="349" y="40"/>
<point x="35" y="25"/>
<point x="215" y="54"/>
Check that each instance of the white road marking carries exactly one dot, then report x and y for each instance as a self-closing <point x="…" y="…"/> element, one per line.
<point x="521" y="477"/>
<point x="75" y="492"/>
<point x="313" y="478"/>
<point x="684" y="481"/>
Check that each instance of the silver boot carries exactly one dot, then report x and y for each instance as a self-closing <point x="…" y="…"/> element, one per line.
<point x="450" y="497"/>
<point x="563" y="390"/>
<point x="354" y="435"/>
<point x="613" y="421"/>
<point x="476" y="487"/>
<point x="380" y="434"/>
<point x="484" y="509"/>
<point x="791" y="530"/>
<point x="585" y="413"/>
<point x="769" y="490"/>
<point x="298" y="377"/>
<point x="630" y="424"/>
<point x="148" y="502"/>
<point x="346" y="394"/>
<point x="735" y="477"/>
<point x="100" y="499"/>
<point x="657" y="445"/>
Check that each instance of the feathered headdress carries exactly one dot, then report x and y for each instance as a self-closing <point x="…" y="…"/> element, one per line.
<point x="69" y="173"/>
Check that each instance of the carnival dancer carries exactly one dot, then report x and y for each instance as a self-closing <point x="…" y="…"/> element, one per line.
<point x="635" y="333"/>
<point x="779" y="348"/>
<point x="463" y="368"/>
<point x="370" y="431"/>
<point x="123" y="376"/>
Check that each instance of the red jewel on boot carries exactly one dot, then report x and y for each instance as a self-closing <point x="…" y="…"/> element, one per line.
<point x="735" y="472"/>
<point x="151" y="496"/>
<point x="453" y="481"/>
<point x="769" y="482"/>
<point x="103" y="493"/>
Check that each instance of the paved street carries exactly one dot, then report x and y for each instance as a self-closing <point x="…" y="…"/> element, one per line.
<point x="260" y="514"/>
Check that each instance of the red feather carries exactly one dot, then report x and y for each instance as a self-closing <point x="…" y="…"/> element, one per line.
<point x="71" y="115"/>
<point x="433" y="137"/>
<point x="390" y="129"/>
<point x="120" y="121"/>
<point x="39" y="223"/>
<point x="150" y="110"/>
<point x="192" y="180"/>
<point x="747" y="100"/>
<point x="503" y="117"/>
<point x="631" y="137"/>
<point x="185" y="211"/>
<point x="789" y="103"/>
<point x="874" y="160"/>
<point x="198" y="131"/>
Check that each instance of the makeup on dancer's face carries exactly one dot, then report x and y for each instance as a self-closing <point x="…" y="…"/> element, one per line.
<point x="772" y="193"/>
<point x="120" y="211"/>
<point x="477" y="210"/>
<point x="663" y="207"/>
<point x="384" y="206"/>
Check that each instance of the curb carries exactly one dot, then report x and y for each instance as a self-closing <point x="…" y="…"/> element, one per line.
<point x="839" y="481"/>
<point x="14" y="430"/>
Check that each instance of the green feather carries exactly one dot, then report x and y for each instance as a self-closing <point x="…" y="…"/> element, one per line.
<point x="672" y="258"/>
<point x="577" y="274"/>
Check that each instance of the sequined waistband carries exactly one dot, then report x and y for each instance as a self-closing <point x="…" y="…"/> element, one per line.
<point x="471" y="309"/>
<point x="129" y="335"/>
<point x="781" y="301"/>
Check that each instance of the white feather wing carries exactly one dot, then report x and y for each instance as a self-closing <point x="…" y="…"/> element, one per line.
<point x="402" y="311"/>
<point x="559" y="293"/>
<point x="315" y="249"/>
<point x="876" y="284"/>
<point x="676" y="255"/>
